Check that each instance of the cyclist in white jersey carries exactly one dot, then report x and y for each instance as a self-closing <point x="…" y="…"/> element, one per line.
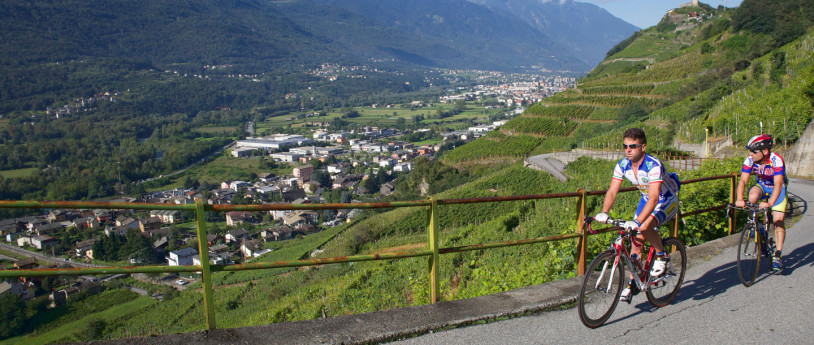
<point x="770" y="174"/>
<point x="658" y="204"/>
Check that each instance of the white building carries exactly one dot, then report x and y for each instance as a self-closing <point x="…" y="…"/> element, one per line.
<point x="387" y="162"/>
<point x="335" y="169"/>
<point x="286" y="157"/>
<point x="181" y="257"/>
<point x="275" y="141"/>
<point x="167" y="216"/>
<point x="243" y="152"/>
<point x="481" y="129"/>
<point x="403" y="167"/>
<point x="238" y="185"/>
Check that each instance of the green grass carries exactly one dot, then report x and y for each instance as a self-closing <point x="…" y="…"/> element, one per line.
<point x="651" y="44"/>
<point x="25" y="172"/>
<point x="428" y="142"/>
<point x="225" y="167"/>
<point x="73" y="328"/>
<point x="380" y="116"/>
<point x="294" y="249"/>
<point x="11" y="254"/>
<point x="216" y="129"/>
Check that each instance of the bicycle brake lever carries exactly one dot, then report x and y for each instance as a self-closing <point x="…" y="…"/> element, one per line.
<point x="588" y="221"/>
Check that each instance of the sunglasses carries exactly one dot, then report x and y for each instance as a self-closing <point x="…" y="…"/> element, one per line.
<point x="755" y="151"/>
<point x="632" y="146"/>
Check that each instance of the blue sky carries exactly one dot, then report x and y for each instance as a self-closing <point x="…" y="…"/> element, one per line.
<point x="646" y="13"/>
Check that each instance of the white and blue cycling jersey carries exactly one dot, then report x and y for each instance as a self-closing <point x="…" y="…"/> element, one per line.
<point x="651" y="171"/>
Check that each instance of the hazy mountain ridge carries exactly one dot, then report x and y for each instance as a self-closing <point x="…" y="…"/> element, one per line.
<point x="585" y="30"/>
<point x="437" y="33"/>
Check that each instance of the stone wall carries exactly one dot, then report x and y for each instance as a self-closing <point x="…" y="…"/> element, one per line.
<point x="800" y="159"/>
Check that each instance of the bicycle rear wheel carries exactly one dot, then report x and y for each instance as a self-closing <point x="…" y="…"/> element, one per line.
<point x="749" y="253"/>
<point x="600" y="289"/>
<point x="662" y="290"/>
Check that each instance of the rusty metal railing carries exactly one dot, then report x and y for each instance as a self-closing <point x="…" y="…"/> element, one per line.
<point x="433" y="250"/>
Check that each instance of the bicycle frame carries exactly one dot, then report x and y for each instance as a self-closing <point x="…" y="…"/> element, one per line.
<point x="752" y="218"/>
<point x="640" y="270"/>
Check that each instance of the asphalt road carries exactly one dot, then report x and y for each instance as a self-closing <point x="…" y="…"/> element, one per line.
<point x="711" y="308"/>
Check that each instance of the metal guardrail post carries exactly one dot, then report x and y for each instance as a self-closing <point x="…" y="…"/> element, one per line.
<point x="583" y="240"/>
<point x="733" y="187"/>
<point x="432" y="232"/>
<point x="203" y="254"/>
<point x="674" y="230"/>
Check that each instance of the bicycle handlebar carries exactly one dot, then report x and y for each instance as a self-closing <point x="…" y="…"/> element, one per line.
<point x="748" y="206"/>
<point x="615" y="222"/>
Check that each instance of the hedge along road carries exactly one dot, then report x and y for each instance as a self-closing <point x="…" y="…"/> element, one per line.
<point x="711" y="308"/>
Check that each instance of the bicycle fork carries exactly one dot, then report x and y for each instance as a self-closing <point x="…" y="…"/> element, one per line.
<point x="602" y="275"/>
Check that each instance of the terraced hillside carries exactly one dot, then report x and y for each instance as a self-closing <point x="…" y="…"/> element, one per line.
<point x="675" y="80"/>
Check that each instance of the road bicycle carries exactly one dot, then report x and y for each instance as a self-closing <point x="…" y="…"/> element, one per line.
<point x="605" y="277"/>
<point x="754" y="244"/>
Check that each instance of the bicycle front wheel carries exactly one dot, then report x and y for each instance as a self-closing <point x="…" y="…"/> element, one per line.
<point x="600" y="289"/>
<point x="769" y="246"/>
<point x="663" y="289"/>
<point x="749" y="254"/>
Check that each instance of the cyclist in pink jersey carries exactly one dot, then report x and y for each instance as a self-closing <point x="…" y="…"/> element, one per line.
<point x="770" y="174"/>
<point x="658" y="204"/>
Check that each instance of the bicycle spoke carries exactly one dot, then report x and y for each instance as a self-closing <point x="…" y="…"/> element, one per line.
<point x="749" y="253"/>
<point x="600" y="289"/>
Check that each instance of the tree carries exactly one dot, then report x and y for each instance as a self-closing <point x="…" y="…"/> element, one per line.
<point x="12" y="315"/>
<point x="189" y="183"/>
<point x="346" y="197"/>
<point x="372" y="184"/>
<point x="323" y="178"/>
<point x="94" y="328"/>
<point x="460" y="106"/>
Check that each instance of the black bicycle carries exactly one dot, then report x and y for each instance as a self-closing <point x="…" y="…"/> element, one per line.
<point x="756" y="241"/>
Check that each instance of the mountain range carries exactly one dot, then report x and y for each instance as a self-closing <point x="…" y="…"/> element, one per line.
<point x="264" y="34"/>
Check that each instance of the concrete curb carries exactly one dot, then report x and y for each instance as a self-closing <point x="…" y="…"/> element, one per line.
<point x="375" y="327"/>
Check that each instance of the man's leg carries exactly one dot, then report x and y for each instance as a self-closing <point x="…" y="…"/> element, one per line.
<point x="651" y="235"/>
<point x="779" y="216"/>
<point x="755" y="194"/>
<point x="779" y="228"/>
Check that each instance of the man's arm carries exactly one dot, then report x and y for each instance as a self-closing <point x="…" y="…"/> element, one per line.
<point x="740" y="189"/>
<point x="610" y="195"/>
<point x="653" y="192"/>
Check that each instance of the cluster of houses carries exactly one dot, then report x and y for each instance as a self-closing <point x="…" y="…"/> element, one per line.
<point x="341" y="162"/>
<point x="82" y="104"/>
<point x="38" y="231"/>
<point x="28" y="287"/>
<point x="514" y="94"/>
